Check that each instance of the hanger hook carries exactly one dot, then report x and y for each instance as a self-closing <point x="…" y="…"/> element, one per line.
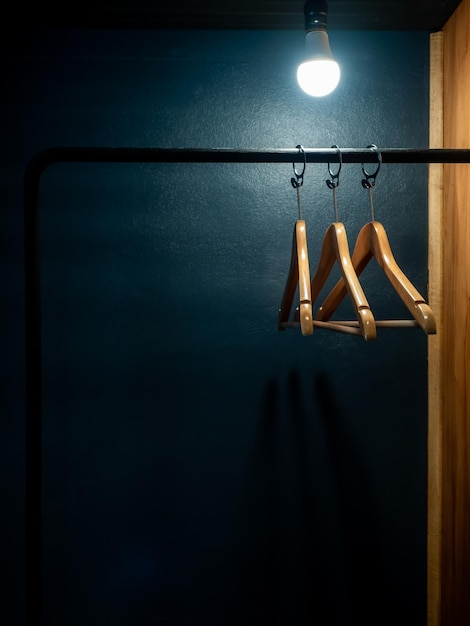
<point x="298" y="181"/>
<point x="369" y="180"/>
<point x="334" y="181"/>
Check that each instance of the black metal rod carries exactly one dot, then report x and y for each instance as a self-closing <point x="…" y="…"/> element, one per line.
<point x="230" y="155"/>
<point x="32" y="176"/>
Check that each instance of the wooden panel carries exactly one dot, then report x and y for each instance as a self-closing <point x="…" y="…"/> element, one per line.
<point x="454" y="575"/>
<point x="436" y="138"/>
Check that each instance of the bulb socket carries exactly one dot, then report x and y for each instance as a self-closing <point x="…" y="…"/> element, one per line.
<point x="317" y="46"/>
<point x="316" y="15"/>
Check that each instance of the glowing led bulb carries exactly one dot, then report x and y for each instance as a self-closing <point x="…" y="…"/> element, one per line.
<point x="319" y="74"/>
<point x="319" y="77"/>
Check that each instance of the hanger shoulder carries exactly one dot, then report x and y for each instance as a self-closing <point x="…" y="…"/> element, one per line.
<point x="305" y="297"/>
<point x="299" y="275"/>
<point x="348" y="268"/>
<point x="349" y="283"/>
<point x="372" y="241"/>
<point x="325" y="262"/>
<point x="411" y="297"/>
<point x="361" y="306"/>
<point x="361" y="256"/>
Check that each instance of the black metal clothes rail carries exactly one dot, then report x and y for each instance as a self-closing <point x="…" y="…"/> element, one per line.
<point x="32" y="177"/>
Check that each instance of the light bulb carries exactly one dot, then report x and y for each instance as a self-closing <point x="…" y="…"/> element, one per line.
<point x="319" y="74"/>
<point x="318" y="77"/>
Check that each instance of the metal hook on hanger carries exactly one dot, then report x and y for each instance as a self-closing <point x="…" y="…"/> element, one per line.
<point x="333" y="182"/>
<point x="299" y="270"/>
<point x="298" y="181"/>
<point x="369" y="181"/>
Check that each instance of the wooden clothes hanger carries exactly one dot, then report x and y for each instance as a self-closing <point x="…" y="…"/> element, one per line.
<point x="299" y="271"/>
<point x="335" y="248"/>
<point x="372" y="241"/>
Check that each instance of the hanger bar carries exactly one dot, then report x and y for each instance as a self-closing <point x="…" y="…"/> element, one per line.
<point x="378" y="323"/>
<point x="347" y="326"/>
<point x="350" y="330"/>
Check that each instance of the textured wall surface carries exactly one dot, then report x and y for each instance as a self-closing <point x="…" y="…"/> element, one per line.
<point x="199" y="466"/>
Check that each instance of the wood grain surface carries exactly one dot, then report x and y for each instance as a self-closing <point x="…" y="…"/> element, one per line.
<point x="451" y="569"/>
<point x="435" y="193"/>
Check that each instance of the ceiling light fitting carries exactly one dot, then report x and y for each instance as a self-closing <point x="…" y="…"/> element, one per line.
<point x="319" y="74"/>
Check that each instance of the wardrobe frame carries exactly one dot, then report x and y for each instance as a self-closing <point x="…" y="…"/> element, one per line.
<point x="32" y="179"/>
<point x="448" y="550"/>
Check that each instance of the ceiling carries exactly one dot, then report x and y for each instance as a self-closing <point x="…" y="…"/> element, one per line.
<point x="426" y="15"/>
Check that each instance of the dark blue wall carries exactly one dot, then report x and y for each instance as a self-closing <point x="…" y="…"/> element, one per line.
<point x="200" y="467"/>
